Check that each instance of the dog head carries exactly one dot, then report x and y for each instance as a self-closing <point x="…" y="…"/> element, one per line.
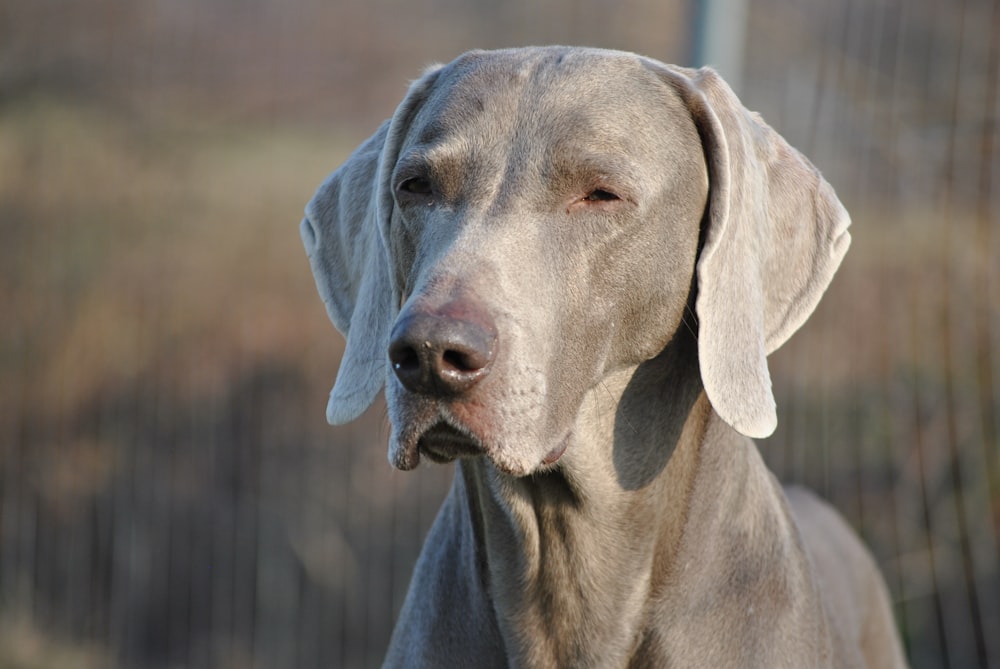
<point x="532" y="220"/>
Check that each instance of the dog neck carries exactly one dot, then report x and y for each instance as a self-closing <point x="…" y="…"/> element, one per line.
<point x="657" y="510"/>
<point x="595" y="540"/>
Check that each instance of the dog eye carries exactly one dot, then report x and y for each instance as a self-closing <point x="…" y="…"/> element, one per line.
<point x="416" y="186"/>
<point x="600" y="195"/>
<point x="598" y="200"/>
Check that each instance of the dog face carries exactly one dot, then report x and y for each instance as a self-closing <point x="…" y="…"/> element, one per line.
<point x="523" y="227"/>
<point x="529" y="222"/>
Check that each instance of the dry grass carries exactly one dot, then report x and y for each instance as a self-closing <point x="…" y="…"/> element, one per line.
<point x="134" y="249"/>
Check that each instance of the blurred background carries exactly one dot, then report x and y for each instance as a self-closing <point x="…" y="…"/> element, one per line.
<point x="170" y="494"/>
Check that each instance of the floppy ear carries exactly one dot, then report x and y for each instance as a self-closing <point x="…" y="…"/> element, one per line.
<point x="775" y="235"/>
<point x="344" y="233"/>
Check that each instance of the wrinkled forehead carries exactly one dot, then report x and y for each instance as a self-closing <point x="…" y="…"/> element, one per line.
<point x="607" y="100"/>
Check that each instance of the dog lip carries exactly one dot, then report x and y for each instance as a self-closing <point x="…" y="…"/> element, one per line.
<point x="556" y="453"/>
<point x="444" y="443"/>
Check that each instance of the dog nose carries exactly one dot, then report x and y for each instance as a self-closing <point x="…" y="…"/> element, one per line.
<point x="444" y="352"/>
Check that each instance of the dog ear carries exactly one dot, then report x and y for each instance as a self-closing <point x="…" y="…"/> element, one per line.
<point x="345" y="235"/>
<point x="775" y="235"/>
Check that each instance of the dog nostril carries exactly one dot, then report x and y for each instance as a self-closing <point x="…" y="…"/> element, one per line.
<point x="462" y="362"/>
<point x="403" y="357"/>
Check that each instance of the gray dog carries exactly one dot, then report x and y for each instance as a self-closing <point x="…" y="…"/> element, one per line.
<point x="567" y="267"/>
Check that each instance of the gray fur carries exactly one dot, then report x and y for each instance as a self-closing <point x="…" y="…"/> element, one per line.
<point x="632" y="332"/>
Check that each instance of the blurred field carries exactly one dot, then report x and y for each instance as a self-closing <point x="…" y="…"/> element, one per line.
<point x="125" y="229"/>
<point x="170" y="494"/>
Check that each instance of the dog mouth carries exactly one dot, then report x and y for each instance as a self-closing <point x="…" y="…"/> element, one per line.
<point x="443" y="442"/>
<point x="433" y="432"/>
